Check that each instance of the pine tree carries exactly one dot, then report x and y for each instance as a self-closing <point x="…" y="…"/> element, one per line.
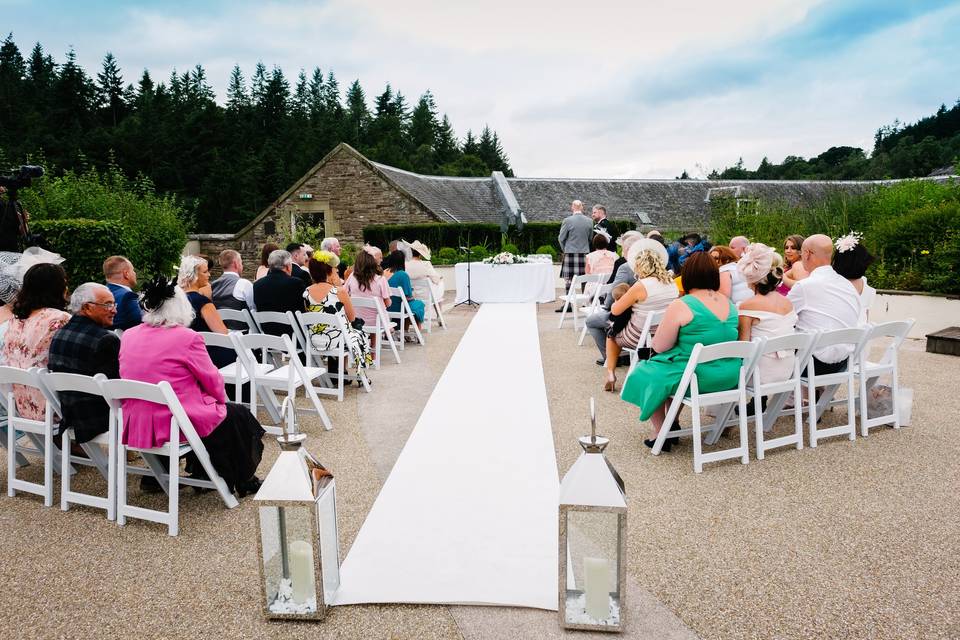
<point x="301" y="97"/>
<point x="357" y="117"/>
<point x="110" y="90"/>
<point x="315" y="104"/>
<point x="237" y="98"/>
<point x="446" y="146"/>
<point x="470" y="146"/>
<point x="258" y="84"/>
<point x="423" y="122"/>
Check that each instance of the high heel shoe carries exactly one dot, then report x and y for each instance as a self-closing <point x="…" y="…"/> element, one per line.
<point x="250" y="486"/>
<point x="667" y="444"/>
<point x="611" y="383"/>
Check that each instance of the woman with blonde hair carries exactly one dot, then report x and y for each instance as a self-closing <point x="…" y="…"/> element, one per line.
<point x="793" y="270"/>
<point x="653" y="291"/>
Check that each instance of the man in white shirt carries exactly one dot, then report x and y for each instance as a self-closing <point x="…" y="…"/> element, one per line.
<point x="824" y="301"/>
<point x="739" y="244"/>
<point x="230" y="291"/>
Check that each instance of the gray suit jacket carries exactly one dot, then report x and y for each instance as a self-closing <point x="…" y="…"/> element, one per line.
<point x="624" y="274"/>
<point x="576" y="233"/>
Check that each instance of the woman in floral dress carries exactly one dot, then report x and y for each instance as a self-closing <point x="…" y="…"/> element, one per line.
<point x="324" y="296"/>
<point x="38" y="313"/>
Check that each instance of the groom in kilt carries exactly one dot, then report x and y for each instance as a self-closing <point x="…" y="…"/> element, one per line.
<point x="575" y="235"/>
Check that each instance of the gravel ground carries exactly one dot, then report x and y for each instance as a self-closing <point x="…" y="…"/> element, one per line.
<point x="852" y="539"/>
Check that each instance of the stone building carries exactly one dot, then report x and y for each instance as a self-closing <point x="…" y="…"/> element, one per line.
<point x="345" y="192"/>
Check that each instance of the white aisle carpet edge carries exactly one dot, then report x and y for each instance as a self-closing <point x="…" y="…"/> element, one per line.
<point x="468" y="514"/>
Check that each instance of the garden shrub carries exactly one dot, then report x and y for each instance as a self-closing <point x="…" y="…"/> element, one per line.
<point x="479" y="252"/>
<point x="547" y="249"/>
<point x="447" y="255"/>
<point x="84" y="244"/>
<point x="511" y="248"/>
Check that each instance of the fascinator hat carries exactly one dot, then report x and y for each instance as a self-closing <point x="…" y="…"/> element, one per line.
<point x="327" y="257"/>
<point x="756" y="262"/>
<point x="156" y="292"/>
<point x="14" y="265"/>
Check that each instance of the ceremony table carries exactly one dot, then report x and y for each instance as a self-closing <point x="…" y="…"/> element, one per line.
<point x="528" y="282"/>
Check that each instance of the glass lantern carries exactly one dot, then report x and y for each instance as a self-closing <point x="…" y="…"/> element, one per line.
<point x="593" y="535"/>
<point x="297" y="527"/>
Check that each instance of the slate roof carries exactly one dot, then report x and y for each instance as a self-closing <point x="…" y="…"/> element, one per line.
<point x="452" y="199"/>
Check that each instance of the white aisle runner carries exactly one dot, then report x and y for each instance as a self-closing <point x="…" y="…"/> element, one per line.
<point x="469" y="512"/>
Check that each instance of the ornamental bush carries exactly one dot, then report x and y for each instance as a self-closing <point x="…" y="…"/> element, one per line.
<point x="84" y="244"/>
<point x="447" y="255"/>
<point x="479" y="252"/>
<point x="511" y="248"/>
<point x="547" y="249"/>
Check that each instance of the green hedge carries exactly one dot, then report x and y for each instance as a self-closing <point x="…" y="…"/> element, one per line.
<point x="911" y="227"/>
<point x="437" y="235"/>
<point x="85" y="244"/>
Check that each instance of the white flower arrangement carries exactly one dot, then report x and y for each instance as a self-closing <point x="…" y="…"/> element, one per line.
<point x="848" y="242"/>
<point x="505" y="257"/>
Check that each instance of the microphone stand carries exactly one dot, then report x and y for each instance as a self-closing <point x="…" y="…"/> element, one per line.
<point x="469" y="301"/>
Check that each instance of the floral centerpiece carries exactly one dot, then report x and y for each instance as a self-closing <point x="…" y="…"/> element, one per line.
<point x="504" y="257"/>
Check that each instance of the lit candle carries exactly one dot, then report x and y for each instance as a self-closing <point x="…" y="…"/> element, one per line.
<point x="301" y="570"/>
<point x="596" y="580"/>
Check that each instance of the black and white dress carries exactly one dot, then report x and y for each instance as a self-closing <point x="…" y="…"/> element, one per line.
<point x="325" y="337"/>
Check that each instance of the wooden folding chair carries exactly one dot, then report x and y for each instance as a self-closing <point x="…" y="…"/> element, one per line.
<point x="55" y="384"/>
<point x="116" y="392"/>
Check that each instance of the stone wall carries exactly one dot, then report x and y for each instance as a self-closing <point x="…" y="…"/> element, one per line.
<point x="357" y="197"/>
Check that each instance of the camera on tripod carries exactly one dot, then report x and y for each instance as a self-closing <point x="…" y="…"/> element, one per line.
<point x="14" y="232"/>
<point x="20" y="178"/>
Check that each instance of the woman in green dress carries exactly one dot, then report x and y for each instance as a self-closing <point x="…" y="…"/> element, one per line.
<point x="703" y="316"/>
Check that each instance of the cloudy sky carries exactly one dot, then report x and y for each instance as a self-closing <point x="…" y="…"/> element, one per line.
<point x="636" y="88"/>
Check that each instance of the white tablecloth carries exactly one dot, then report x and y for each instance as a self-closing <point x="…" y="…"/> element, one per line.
<point x="530" y="282"/>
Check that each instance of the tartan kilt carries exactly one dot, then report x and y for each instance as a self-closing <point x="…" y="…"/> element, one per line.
<point x="574" y="264"/>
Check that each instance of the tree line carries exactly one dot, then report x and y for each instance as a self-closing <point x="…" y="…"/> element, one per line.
<point x="899" y="151"/>
<point x="223" y="163"/>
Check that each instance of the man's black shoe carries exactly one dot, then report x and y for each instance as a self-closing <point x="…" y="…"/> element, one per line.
<point x="560" y="310"/>
<point x="601" y="362"/>
<point x="149" y="484"/>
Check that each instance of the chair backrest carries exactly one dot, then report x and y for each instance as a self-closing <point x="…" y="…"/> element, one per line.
<point x="798" y="342"/>
<point x="53" y="384"/>
<point x="853" y="336"/>
<point x="897" y="330"/>
<point x="233" y="318"/>
<point x="212" y="339"/>
<point x="307" y="319"/>
<point x="585" y="278"/>
<point x="654" y="318"/>
<point x="253" y="341"/>
<point x="10" y="376"/>
<point x="372" y="303"/>
<point x="745" y="351"/>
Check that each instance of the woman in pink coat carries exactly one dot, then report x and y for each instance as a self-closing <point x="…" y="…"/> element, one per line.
<point x="164" y="348"/>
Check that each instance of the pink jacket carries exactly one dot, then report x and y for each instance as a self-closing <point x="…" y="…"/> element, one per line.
<point x="175" y="354"/>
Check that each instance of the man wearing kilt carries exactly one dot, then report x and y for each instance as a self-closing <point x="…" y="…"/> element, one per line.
<point x="575" y="235"/>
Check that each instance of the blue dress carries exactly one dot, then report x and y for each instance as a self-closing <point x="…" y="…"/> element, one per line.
<point x="401" y="280"/>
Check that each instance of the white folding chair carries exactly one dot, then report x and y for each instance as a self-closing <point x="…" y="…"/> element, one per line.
<point x="382" y="328"/>
<point x="55" y="384"/>
<point x="595" y="305"/>
<point x="745" y="352"/>
<point x="869" y="372"/>
<point x="431" y="303"/>
<point x="234" y="318"/>
<point x="777" y="392"/>
<point x="40" y="432"/>
<point x="338" y="350"/>
<point x="288" y="377"/>
<point x="116" y="392"/>
<point x="20" y="459"/>
<point x="654" y="318"/>
<point x="853" y="339"/>
<point x="405" y="317"/>
<point x="233" y="373"/>
<point x="574" y="299"/>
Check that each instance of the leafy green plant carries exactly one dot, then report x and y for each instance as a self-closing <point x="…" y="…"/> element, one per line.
<point x="447" y="255"/>
<point x="547" y="249"/>
<point x="511" y="248"/>
<point x="479" y="251"/>
<point x="84" y="244"/>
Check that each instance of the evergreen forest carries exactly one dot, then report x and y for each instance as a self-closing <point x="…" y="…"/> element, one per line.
<point x="899" y="151"/>
<point x="223" y="163"/>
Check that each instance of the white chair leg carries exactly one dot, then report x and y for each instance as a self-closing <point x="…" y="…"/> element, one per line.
<point x="758" y="425"/>
<point x="121" y="483"/>
<point x="173" y="496"/>
<point x="895" y="391"/>
<point x="65" y="464"/>
<point x="48" y="467"/>
<point x="697" y="443"/>
<point x="744" y="448"/>
<point x="812" y="413"/>
<point x="797" y="415"/>
<point x="851" y="409"/>
<point x="864" y="417"/>
<point x="112" y="473"/>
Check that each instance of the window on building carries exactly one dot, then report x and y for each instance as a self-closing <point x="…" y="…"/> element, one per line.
<point x="270" y="227"/>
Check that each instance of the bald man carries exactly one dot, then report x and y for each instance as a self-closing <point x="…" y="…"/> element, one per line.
<point x="825" y="301"/>
<point x="739" y="244"/>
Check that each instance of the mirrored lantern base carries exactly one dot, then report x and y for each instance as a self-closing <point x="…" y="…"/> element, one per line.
<point x="576" y="616"/>
<point x="285" y="603"/>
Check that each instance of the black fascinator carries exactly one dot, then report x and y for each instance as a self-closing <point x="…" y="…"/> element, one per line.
<point x="156" y="292"/>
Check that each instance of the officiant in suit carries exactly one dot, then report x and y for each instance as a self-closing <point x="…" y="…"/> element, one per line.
<point x="576" y="231"/>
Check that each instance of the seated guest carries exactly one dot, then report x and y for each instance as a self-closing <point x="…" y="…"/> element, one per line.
<point x="366" y="282"/>
<point x="394" y="269"/>
<point x="851" y="261"/>
<point x="598" y="323"/>
<point x="263" y="269"/>
<point x="824" y="301"/>
<point x="332" y="245"/>
<point x="13" y="266"/>
<point x="766" y="314"/>
<point x="193" y="278"/>
<point x="732" y="284"/>
<point x="402" y="245"/>
<point x="375" y="251"/>
<point x="703" y="316"/>
<point x="739" y="244"/>
<point x="207" y="289"/>
<point x="326" y="297"/>
<point x="421" y="271"/>
<point x="299" y="258"/>
<point x="794" y="270"/>
<point x="653" y="291"/>
<point x="600" y="260"/>
<point x="231" y="291"/>
<point x="164" y="348"/>
<point x="86" y="346"/>
<point x="121" y="278"/>
<point x="278" y="291"/>
<point x="38" y="313"/>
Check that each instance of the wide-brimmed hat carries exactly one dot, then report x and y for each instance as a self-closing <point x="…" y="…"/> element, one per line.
<point x="628" y="237"/>
<point x="421" y="248"/>
<point x="646" y="244"/>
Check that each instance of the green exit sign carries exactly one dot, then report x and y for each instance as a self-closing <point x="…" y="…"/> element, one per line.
<point x="306" y="196"/>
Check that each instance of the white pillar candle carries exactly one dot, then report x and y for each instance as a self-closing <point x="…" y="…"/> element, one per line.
<point x="300" y="562"/>
<point x="596" y="582"/>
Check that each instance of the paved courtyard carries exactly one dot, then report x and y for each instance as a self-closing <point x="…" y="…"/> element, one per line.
<point x="851" y="539"/>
